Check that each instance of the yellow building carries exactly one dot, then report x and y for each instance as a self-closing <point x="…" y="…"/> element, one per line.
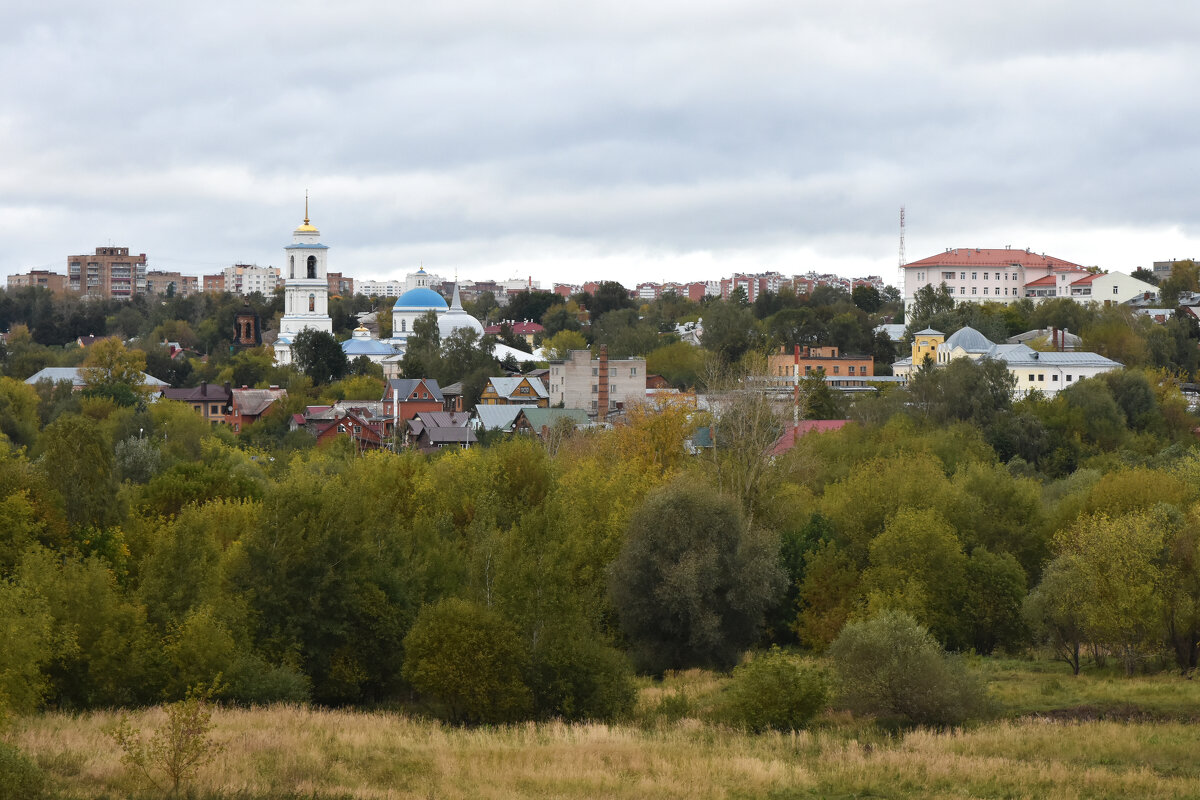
<point x="926" y="343"/>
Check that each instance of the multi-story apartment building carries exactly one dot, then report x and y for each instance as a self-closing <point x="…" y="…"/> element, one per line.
<point x="782" y="366"/>
<point x="110" y="272"/>
<point x="171" y="284"/>
<point x="993" y="275"/>
<point x="753" y="285"/>
<point x="596" y="384"/>
<point x="391" y="288"/>
<point x="340" y="285"/>
<point x="246" y="279"/>
<point x="39" y="277"/>
<point x="214" y="283"/>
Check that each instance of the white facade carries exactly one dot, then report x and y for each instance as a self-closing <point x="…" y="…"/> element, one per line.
<point x="245" y="279"/>
<point x="421" y="280"/>
<point x="1046" y="372"/>
<point x="392" y="288"/>
<point x="306" y="289"/>
<point x="1113" y="287"/>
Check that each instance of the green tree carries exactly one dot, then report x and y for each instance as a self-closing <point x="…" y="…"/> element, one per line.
<point x="1053" y="615"/>
<point x="609" y="296"/>
<point x="106" y="656"/>
<point x="1111" y="564"/>
<point x="469" y="660"/>
<point x="318" y="355"/>
<point x="76" y="459"/>
<point x="917" y="565"/>
<point x="26" y="628"/>
<point x="692" y="582"/>
<point x="867" y="298"/>
<point x="422" y="352"/>
<point x="681" y="364"/>
<point x="730" y="330"/>
<point x="559" y="346"/>
<point x="110" y="370"/>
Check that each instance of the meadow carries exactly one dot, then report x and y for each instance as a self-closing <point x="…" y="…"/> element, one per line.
<point x="1099" y="735"/>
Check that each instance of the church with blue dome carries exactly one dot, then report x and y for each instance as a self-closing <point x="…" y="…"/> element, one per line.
<point x="418" y="301"/>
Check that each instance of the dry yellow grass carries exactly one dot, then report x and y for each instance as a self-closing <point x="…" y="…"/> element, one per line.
<point x="280" y="751"/>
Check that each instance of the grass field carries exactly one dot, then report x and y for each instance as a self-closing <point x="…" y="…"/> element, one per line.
<point x="1096" y="736"/>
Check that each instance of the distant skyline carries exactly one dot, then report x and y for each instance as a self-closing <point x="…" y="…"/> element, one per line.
<point x="599" y="140"/>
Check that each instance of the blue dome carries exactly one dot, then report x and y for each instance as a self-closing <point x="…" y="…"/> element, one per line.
<point x="421" y="298"/>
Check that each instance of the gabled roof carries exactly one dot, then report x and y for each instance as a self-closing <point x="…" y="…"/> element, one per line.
<point x="253" y="402"/>
<point x="443" y="419"/>
<point x="1086" y="279"/>
<point x="204" y="393"/>
<point x="539" y="418"/>
<point x="75" y="376"/>
<point x="404" y="388"/>
<point x="507" y="387"/>
<point x="499" y="417"/>
<point x="1047" y="280"/>
<point x="929" y="332"/>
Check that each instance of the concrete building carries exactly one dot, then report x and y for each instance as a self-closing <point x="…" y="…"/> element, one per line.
<point x="246" y="279"/>
<point x="340" y="285"/>
<point x="109" y="272"/>
<point x="998" y="275"/>
<point x="171" y="284"/>
<point x="597" y="384"/>
<point x="1112" y="287"/>
<point x="391" y="288"/>
<point x="782" y="366"/>
<point x="213" y="283"/>
<point x="39" y="277"/>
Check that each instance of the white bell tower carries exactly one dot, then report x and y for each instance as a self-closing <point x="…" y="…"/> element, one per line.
<point x="306" y="289"/>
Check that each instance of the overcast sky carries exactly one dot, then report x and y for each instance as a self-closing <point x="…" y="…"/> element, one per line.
<point x="584" y="140"/>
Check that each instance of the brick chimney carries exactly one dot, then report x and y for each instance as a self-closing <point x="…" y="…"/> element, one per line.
<point x="602" y="400"/>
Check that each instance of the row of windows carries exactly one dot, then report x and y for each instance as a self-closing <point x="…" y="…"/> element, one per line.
<point x="962" y="276"/>
<point x="1053" y="378"/>
<point x="808" y="370"/>
<point x="975" y="291"/>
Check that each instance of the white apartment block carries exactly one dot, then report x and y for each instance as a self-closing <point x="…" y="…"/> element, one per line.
<point x="575" y="382"/>
<point x="246" y="279"/>
<point x="392" y="288"/>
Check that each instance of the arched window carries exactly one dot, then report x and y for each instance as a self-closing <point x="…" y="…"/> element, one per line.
<point x="291" y="266"/>
<point x="312" y="266"/>
<point x="312" y="302"/>
<point x="403" y="326"/>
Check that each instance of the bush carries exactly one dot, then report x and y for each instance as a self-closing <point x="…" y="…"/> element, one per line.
<point x="775" y="691"/>
<point x="576" y="678"/>
<point x="469" y="660"/>
<point x="891" y="667"/>
<point x="20" y="778"/>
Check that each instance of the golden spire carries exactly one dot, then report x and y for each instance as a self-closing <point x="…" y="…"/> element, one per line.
<point x="307" y="227"/>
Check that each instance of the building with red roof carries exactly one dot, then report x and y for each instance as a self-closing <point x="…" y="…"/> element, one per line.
<point x="995" y="275"/>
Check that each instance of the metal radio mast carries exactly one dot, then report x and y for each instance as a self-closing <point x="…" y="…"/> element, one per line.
<point x="903" y="260"/>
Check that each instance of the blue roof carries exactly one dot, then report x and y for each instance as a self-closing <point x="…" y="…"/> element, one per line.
<point x="421" y="298"/>
<point x="366" y="347"/>
<point x="307" y="247"/>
